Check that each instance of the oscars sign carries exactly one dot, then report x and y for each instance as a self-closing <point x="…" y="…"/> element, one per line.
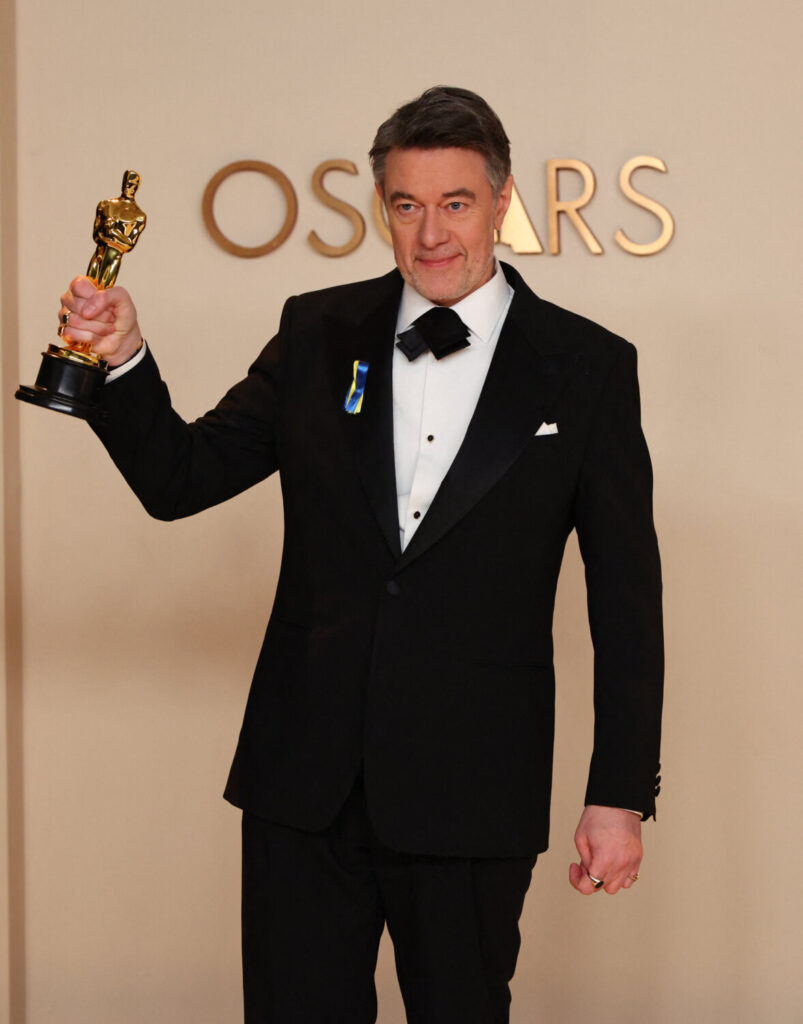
<point x="517" y="231"/>
<point x="71" y="375"/>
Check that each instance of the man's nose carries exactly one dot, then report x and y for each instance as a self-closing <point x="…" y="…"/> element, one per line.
<point x="433" y="232"/>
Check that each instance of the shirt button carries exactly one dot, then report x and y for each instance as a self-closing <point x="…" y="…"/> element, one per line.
<point x="393" y="588"/>
<point x="416" y="515"/>
<point x="430" y="437"/>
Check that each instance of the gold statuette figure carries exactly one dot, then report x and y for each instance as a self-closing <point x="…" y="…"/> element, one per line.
<point x="71" y="376"/>
<point x="118" y="224"/>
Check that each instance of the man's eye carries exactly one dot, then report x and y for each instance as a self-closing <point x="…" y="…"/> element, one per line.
<point x="404" y="207"/>
<point x="456" y="205"/>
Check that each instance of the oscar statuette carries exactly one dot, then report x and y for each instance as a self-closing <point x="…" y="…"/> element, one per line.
<point x="71" y="376"/>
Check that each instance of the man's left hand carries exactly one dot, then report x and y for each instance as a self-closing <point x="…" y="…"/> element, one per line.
<point x="608" y="840"/>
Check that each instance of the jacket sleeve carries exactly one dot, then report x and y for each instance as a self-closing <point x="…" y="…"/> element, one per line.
<point x="177" y="468"/>
<point x="617" y="539"/>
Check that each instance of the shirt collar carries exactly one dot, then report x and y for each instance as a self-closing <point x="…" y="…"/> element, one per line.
<point x="480" y="310"/>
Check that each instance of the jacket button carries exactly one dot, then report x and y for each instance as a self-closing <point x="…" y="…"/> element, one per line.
<point x="393" y="588"/>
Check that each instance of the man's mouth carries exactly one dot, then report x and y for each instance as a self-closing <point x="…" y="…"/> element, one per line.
<point x="436" y="262"/>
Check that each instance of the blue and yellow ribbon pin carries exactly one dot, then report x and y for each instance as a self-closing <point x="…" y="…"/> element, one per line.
<point x="353" y="403"/>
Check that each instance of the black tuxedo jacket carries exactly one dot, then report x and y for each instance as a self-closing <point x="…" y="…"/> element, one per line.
<point x="431" y="668"/>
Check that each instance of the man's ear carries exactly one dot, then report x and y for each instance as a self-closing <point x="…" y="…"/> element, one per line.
<point x="379" y="191"/>
<point x="503" y="202"/>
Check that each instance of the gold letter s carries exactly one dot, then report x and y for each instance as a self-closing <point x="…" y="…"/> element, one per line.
<point x="661" y="212"/>
<point x="348" y="211"/>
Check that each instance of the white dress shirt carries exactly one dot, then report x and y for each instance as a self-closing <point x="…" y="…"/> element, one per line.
<point x="434" y="399"/>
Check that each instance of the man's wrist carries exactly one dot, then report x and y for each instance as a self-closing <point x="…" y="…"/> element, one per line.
<point x="118" y="371"/>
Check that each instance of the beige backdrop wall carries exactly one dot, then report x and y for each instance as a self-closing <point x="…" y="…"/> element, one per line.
<point x="131" y="642"/>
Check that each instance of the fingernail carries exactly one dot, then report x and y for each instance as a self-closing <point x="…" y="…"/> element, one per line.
<point x="89" y="310"/>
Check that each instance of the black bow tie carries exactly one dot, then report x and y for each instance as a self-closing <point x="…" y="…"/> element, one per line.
<point x="440" y="330"/>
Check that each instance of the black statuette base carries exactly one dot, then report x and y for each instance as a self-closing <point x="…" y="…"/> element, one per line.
<point x="67" y="384"/>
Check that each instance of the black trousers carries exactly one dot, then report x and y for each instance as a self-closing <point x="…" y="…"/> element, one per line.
<point x="314" y="907"/>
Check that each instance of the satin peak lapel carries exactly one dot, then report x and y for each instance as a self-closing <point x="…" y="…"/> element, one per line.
<point x="524" y="384"/>
<point x="370" y="432"/>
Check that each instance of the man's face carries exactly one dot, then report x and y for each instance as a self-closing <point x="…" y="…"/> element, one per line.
<point x="442" y="215"/>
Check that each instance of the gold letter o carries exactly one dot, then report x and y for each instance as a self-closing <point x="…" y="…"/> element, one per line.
<point x="262" y="168"/>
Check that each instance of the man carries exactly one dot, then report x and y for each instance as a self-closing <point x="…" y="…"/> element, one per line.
<point x="394" y="763"/>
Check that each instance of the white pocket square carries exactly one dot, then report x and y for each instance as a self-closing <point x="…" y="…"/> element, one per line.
<point x="546" y="428"/>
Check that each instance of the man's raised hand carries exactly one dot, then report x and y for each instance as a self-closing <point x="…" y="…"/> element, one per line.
<point x="106" y="320"/>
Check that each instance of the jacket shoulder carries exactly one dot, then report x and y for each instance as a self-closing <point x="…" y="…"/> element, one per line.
<point x="347" y="300"/>
<point x="579" y="334"/>
<point x="557" y="329"/>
